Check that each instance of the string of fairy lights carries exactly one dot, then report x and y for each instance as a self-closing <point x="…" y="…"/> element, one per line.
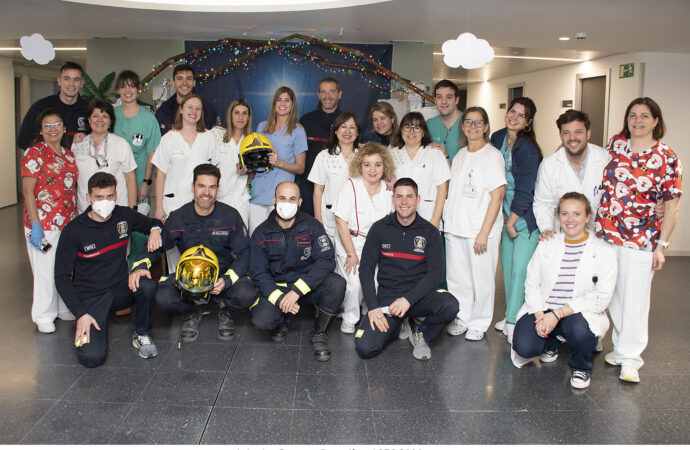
<point x="242" y="54"/>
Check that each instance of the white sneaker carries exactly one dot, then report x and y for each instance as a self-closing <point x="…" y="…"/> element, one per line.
<point x="46" y="327"/>
<point x="457" y="327"/>
<point x="518" y="361"/>
<point x="500" y="324"/>
<point x="347" y="327"/>
<point x="508" y="331"/>
<point x="610" y="359"/>
<point x="474" y="335"/>
<point x="580" y="379"/>
<point x="405" y="330"/>
<point x="629" y="374"/>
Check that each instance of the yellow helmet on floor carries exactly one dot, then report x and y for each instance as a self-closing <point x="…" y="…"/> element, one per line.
<point x="254" y="151"/>
<point x="197" y="272"/>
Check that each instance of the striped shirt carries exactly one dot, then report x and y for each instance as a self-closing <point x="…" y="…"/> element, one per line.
<point x="562" y="290"/>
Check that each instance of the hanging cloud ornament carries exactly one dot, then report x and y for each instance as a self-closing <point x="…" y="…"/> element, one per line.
<point x="467" y="51"/>
<point x="37" y="48"/>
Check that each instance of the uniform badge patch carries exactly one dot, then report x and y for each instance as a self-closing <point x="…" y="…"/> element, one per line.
<point x="324" y="243"/>
<point x="307" y="253"/>
<point x="122" y="228"/>
<point x="138" y="140"/>
<point x="419" y="244"/>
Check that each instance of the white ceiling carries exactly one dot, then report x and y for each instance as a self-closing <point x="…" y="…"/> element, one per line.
<point x="527" y="27"/>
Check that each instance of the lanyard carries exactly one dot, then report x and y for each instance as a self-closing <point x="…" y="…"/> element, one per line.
<point x="101" y="159"/>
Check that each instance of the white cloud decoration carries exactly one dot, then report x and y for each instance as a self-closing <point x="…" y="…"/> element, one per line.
<point x="467" y="51"/>
<point x="37" y="48"/>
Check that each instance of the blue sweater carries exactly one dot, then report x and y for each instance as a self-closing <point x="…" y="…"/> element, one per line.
<point x="525" y="166"/>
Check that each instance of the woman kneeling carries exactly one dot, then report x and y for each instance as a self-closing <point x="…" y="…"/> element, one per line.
<point x="570" y="281"/>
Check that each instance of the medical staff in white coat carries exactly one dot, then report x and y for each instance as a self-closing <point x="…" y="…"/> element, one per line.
<point x="569" y="284"/>
<point x="363" y="199"/>
<point x="473" y="222"/>
<point x="427" y="166"/>
<point x="103" y="151"/>
<point x="181" y="149"/>
<point x="575" y="167"/>
<point x="233" y="181"/>
<point x="331" y="168"/>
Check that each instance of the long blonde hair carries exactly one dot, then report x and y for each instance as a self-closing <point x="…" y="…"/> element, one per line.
<point x="229" y="128"/>
<point x="200" y="126"/>
<point x="272" y="122"/>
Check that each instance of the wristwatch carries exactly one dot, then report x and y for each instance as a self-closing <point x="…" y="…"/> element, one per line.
<point x="147" y="181"/>
<point x="155" y="228"/>
<point x="662" y="243"/>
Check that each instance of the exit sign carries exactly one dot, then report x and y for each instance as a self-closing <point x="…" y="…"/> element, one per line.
<point x="626" y="70"/>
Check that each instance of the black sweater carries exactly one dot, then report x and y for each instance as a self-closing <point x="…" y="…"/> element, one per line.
<point x="410" y="261"/>
<point x="91" y="256"/>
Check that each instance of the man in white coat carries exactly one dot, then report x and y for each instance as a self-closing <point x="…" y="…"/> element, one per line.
<point x="578" y="166"/>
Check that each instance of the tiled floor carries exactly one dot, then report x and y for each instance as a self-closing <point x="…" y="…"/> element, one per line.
<point x="253" y="391"/>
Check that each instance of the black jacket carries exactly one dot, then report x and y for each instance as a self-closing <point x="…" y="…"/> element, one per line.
<point x="91" y="256"/>
<point x="222" y="231"/>
<point x="410" y="261"/>
<point x="299" y="257"/>
<point x="75" y="118"/>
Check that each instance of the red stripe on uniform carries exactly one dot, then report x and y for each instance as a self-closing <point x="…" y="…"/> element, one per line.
<point x="221" y="228"/>
<point x="317" y="139"/>
<point x="403" y="255"/>
<point x="269" y="240"/>
<point x="103" y="250"/>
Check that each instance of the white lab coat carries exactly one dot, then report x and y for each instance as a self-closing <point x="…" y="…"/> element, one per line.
<point x="177" y="160"/>
<point x="556" y="177"/>
<point x="330" y="171"/>
<point x="120" y="161"/>
<point x="598" y="259"/>
<point x="232" y="189"/>
<point x="429" y="169"/>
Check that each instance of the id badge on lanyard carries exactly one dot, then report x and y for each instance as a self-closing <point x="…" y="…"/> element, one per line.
<point x="469" y="189"/>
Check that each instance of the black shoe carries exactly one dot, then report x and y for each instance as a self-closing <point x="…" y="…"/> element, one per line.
<point x="226" y="326"/>
<point x="190" y="326"/>
<point x="279" y="333"/>
<point x="319" y="343"/>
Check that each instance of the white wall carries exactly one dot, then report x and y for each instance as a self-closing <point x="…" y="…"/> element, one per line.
<point x="661" y="76"/>
<point x="414" y="62"/>
<point x="8" y="177"/>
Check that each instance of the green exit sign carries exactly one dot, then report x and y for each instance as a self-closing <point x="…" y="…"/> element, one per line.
<point x="626" y="70"/>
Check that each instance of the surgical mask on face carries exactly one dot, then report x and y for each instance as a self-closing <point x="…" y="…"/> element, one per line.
<point x="286" y="210"/>
<point x="103" y="207"/>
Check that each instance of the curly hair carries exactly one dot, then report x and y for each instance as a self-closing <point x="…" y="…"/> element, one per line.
<point x="368" y="149"/>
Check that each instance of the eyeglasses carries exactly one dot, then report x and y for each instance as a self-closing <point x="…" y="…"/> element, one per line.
<point x="477" y="123"/>
<point x="415" y="128"/>
<point x="52" y="125"/>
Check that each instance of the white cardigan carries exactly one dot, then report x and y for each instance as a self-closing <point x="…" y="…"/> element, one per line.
<point x="598" y="259"/>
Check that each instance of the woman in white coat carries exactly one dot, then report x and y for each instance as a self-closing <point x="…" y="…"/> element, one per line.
<point x="362" y="201"/>
<point x="570" y="281"/>
<point x="427" y="166"/>
<point x="103" y="151"/>
<point x="472" y="224"/>
<point x="331" y="168"/>
<point x="181" y="149"/>
<point x="233" y="181"/>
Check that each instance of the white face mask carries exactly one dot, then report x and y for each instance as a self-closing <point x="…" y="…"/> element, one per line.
<point x="286" y="210"/>
<point x="103" y="207"/>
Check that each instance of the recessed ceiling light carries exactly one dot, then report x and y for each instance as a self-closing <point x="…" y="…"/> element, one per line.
<point x="229" y="5"/>
<point x="564" y="38"/>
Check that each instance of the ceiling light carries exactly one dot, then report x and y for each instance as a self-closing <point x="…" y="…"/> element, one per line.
<point x="229" y="5"/>
<point x="467" y="51"/>
<point x="71" y="49"/>
<point x="564" y="38"/>
<point x="540" y="58"/>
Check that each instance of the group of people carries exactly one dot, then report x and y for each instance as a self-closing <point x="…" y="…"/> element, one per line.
<point x="398" y="231"/>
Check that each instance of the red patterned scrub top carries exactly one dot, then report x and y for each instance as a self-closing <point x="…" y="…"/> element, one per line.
<point x="632" y="184"/>
<point x="56" y="177"/>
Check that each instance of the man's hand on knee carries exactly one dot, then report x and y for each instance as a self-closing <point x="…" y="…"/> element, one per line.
<point x="83" y="333"/>
<point x="134" y="278"/>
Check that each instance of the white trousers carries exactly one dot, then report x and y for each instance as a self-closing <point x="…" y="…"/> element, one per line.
<point x="257" y="215"/>
<point x="471" y="278"/>
<point x="353" y="289"/>
<point x="47" y="304"/>
<point x="629" y="307"/>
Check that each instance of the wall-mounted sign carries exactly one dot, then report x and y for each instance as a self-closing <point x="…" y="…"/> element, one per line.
<point x="626" y="70"/>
